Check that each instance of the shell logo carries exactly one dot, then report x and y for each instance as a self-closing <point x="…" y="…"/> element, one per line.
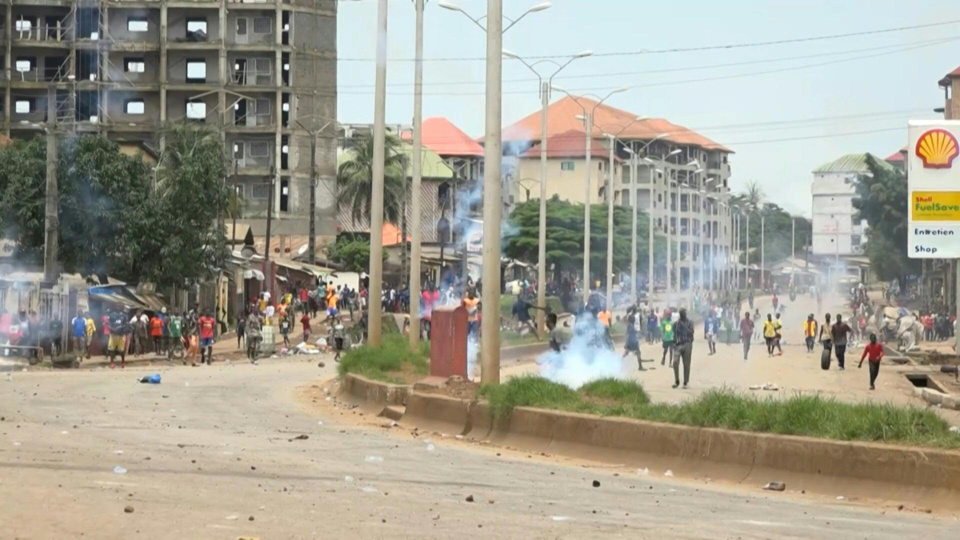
<point x="937" y="149"/>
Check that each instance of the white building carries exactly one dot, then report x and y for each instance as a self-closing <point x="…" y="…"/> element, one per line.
<point x="836" y="231"/>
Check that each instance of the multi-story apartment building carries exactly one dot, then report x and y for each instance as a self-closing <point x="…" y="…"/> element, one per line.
<point x="686" y="173"/>
<point x="260" y="73"/>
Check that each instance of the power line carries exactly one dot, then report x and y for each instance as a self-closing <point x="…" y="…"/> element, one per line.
<point x="686" y="81"/>
<point x="670" y="70"/>
<point x="727" y="46"/>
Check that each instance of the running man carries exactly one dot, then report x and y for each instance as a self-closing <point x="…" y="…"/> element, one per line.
<point x="206" y="325"/>
<point x="874" y="352"/>
<point x="810" y="332"/>
<point x="666" y="334"/>
<point x="633" y="341"/>
<point x="746" y="333"/>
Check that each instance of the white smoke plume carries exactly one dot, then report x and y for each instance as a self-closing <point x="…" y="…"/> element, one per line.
<point x="586" y="357"/>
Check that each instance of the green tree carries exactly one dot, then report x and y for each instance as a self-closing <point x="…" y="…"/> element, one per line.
<point x="882" y="201"/>
<point x="355" y="179"/>
<point x="101" y="194"/>
<point x="352" y="254"/>
<point x="775" y="228"/>
<point x="565" y="237"/>
<point x="179" y="239"/>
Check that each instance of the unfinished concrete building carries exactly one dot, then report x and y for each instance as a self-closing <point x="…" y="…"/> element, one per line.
<point x="261" y="73"/>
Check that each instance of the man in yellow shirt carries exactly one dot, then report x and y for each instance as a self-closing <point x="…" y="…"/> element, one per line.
<point x="769" y="333"/>
<point x="472" y="304"/>
<point x="810" y="332"/>
<point x="90" y="329"/>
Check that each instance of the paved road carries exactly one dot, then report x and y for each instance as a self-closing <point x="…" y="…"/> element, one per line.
<point x="210" y="448"/>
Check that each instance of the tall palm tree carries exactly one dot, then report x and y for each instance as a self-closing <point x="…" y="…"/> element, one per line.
<point x="355" y="179"/>
<point x="754" y="194"/>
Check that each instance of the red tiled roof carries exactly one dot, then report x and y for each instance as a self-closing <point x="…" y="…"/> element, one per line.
<point x="898" y="156"/>
<point x="562" y="118"/>
<point x="446" y="139"/>
<point x="573" y="143"/>
<point x="954" y="73"/>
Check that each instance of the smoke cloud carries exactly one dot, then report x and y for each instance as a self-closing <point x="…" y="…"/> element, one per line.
<point x="586" y="357"/>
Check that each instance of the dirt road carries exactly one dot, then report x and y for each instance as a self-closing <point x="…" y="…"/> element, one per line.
<point x="219" y="453"/>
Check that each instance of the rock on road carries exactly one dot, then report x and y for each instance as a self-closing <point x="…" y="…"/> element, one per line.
<point x="213" y="452"/>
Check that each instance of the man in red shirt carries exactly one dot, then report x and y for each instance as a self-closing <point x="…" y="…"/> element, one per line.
<point x="305" y="321"/>
<point x="206" y="325"/>
<point x="156" y="332"/>
<point x="873" y="352"/>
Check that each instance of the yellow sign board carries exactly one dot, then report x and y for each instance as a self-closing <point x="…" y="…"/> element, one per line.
<point x="935" y="205"/>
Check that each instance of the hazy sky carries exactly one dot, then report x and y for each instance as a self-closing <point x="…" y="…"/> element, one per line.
<point x="781" y="125"/>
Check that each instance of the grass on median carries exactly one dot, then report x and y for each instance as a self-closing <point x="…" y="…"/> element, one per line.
<point x="811" y="416"/>
<point x="387" y="363"/>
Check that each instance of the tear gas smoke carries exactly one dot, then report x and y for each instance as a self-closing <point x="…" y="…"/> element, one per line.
<point x="586" y="358"/>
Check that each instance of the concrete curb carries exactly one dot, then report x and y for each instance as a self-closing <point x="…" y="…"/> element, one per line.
<point x="363" y="391"/>
<point x="691" y="449"/>
<point x="936" y="397"/>
<point x="738" y="456"/>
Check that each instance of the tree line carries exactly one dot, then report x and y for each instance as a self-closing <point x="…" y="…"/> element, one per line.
<point x="119" y="216"/>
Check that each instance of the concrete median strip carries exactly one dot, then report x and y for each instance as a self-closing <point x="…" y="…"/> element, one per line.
<point x="744" y="457"/>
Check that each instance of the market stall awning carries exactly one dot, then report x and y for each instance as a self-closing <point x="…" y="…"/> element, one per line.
<point x="252" y="273"/>
<point x="117" y="300"/>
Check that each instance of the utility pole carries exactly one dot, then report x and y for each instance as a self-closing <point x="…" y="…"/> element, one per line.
<point x="312" y="240"/>
<point x="651" y="221"/>
<point x="746" y="268"/>
<point x="610" y="196"/>
<point x="763" y="251"/>
<point x="376" y="207"/>
<point x="793" y="237"/>
<point x="634" y="202"/>
<point x="668" y="221"/>
<point x="490" y="326"/>
<point x="268" y="275"/>
<point x="588" y="128"/>
<point x="417" y="174"/>
<point x="52" y="200"/>
<point x="542" y="233"/>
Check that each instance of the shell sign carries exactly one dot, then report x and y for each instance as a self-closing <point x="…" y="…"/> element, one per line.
<point x="937" y="149"/>
<point x="933" y="189"/>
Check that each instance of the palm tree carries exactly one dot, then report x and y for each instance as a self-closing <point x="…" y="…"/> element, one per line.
<point x="355" y="179"/>
<point x="754" y="194"/>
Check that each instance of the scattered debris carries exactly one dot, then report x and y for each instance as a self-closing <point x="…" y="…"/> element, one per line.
<point x="348" y="479"/>
<point x="955" y="430"/>
<point x="900" y="507"/>
<point x="560" y="518"/>
<point x="841" y="498"/>
<point x="128" y="509"/>
<point x="431" y="448"/>
<point x="151" y="379"/>
<point x="299" y="438"/>
<point x="596" y="483"/>
<point x="321" y="364"/>
<point x="373" y="459"/>
<point x="368" y="489"/>
<point x="469" y="498"/>
<point x="775" y="486"/>
<point x="232" y="518"/>
<point x="250" y="518"/>
<point x="643" y="472"/>
<point x="119" y="470"/>
<point x="668" y="473"/>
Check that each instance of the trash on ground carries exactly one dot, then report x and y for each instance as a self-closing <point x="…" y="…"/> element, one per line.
<point x="560" y="518"/>
<point x="668" y="473"/>
<point x="643" y="472"/>
<point x="596" y="483"/>
<point x="232" y="518"/>
<point x="348" y="479"/>
<point x="373" y="459"/>
<point x="775" y="486"/>
<point x="955" y="430"/>
<point x="368" y="489"/>
<point x="151" y="379"/>
<point x="119" y="470"/>
<point x="299" y="438"/>
<point x="841" y="498"/>
<point x="128" y="509"/>
<point x="431" y="448"/>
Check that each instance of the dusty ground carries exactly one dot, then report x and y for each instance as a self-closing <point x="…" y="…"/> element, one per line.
<point x="795" y="372"/>
<point x="220" y="452"/>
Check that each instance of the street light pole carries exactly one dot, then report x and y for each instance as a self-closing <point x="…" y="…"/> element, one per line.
<point x="542" y="247"/>
<point x="490" y="325"/>
<point x="376" y="206"/>
<point x="763" y="251"/>
<point x="610" y="196"/>
<point x="417" y="172"/>
<point x="492" y="202"/>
